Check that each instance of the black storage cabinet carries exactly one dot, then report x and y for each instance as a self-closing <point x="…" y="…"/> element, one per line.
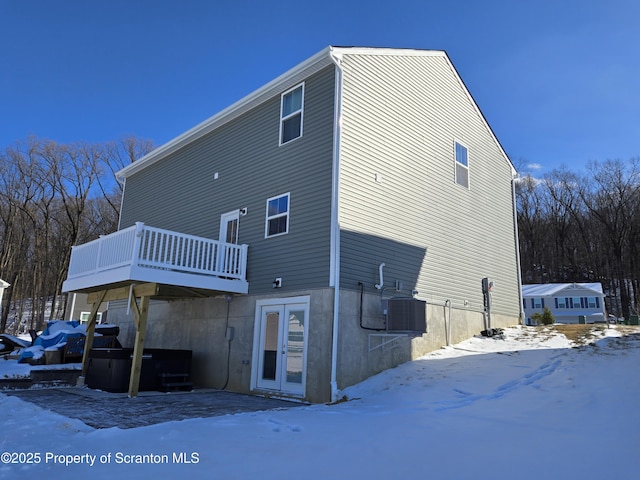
<point x="110" y="368"/>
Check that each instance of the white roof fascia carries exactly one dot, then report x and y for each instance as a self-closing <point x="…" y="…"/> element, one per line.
<point x="274" y="87"/>
<point x="313" y="64"/>
<point x="407" y="52"/>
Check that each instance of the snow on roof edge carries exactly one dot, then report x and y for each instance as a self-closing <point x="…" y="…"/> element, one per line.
<point x="548" y="289"/>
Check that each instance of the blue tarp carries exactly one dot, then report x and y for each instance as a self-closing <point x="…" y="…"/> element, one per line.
<point x="55" y="335"/>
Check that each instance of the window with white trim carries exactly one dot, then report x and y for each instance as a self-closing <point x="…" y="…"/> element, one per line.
<point x="277" y="218"/>
<point x="462" y="164"/>
<point x="84" y="317"/>
<point x="291" y="112"/>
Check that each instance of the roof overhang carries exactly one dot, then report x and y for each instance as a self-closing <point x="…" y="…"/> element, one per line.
<point x="310" y="66"/>
<point x="327" y="56"/>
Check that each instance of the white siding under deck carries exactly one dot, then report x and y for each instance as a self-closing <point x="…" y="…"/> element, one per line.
<point x="146" y="254"/>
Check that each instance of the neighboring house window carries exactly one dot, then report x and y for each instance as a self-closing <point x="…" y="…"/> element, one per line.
<point x="462" y="165"/>
<point x="537" y="303"/>
<point x="561" y="302"/>
<point x="84" y="317"/>
<point x="291" y="109"/>
<point x="593" y="302"/>
<point x="277" y="222"/>
<point x="576" y="302"/>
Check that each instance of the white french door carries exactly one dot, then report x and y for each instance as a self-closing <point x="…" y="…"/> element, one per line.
<point x="281" y="334"/>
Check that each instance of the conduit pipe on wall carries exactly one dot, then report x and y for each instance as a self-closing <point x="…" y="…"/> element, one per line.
<point x="447" y="323"/>
<point x="381" y="284"/>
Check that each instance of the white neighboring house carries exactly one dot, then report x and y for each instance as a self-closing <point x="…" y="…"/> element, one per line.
<point x="567" y="301"/>
<point x="3" y="285"/>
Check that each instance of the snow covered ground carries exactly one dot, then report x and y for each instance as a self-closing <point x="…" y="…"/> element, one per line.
<point x="525" y="407"/>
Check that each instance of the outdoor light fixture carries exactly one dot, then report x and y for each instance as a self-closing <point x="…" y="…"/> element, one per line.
<point x="277" y="283"/>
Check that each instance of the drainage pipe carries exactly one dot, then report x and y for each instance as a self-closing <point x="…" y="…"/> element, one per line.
<point x="514" y="206"/>
<point x="447" y="323"/>
<point x="381" y="284"/>
<point x="335" y="225"/>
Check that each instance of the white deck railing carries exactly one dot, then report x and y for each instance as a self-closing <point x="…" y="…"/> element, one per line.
<point x="144" y="246"/>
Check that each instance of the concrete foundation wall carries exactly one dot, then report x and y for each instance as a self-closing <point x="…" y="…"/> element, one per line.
<point x="360" y="355"/>
<point x="200" y="325"/>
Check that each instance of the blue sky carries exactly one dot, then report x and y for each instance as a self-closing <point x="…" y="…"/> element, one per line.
<point x="558" y="81"/>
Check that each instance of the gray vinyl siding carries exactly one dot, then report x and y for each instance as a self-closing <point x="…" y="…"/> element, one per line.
<point x="400" y="117"/>
<point x="179" y="192"/>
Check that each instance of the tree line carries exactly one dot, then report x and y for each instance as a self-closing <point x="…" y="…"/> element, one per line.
<point x="54" y="196"/>
<point x="584" y="227"/>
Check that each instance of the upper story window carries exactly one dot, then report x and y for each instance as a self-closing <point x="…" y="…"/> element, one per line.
<point x="561" y="302"/>
<point x="462" y="165"/>
<point x="537" y="303"/>
<point x="291" y="110"/>
<point x="277" y="221"/>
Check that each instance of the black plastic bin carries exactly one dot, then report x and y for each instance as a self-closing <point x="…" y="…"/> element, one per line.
<point x="110" y="368"/>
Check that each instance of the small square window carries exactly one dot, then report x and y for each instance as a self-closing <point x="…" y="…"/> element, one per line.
<point x="277" y="218"/>
<point x="291" y="111"/>
<point x="84" y="317"/>
<point x="462" y="165"/>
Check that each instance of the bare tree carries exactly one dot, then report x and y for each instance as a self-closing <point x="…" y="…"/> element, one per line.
<point x="613" y="203"/>
<point x="53" y="196"/>
<point x="584" y="227"/>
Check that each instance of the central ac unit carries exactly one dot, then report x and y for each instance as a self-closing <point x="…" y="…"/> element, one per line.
<point x="406" y="315"/>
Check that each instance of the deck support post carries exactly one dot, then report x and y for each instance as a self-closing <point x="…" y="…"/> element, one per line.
<point x="140" y="320"/>
<point x="91" y="328"/>
<point x="145" y="291"/>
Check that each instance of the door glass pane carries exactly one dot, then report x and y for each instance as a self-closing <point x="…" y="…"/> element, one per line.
<point x="232" y="231"/>
<point x="295" y="346"/>
<point x="270" y="346"/>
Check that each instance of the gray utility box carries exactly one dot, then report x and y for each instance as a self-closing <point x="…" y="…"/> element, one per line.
<point x="406" y="315"/>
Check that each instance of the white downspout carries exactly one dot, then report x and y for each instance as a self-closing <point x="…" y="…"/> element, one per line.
<point x="517" y="242"/>
<point x="335" y="227"/>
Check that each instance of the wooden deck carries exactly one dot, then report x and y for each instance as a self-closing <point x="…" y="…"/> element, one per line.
<point x="140" y="254"/>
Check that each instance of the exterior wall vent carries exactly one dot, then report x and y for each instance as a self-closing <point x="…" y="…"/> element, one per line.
<point x="406" y="315"/>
